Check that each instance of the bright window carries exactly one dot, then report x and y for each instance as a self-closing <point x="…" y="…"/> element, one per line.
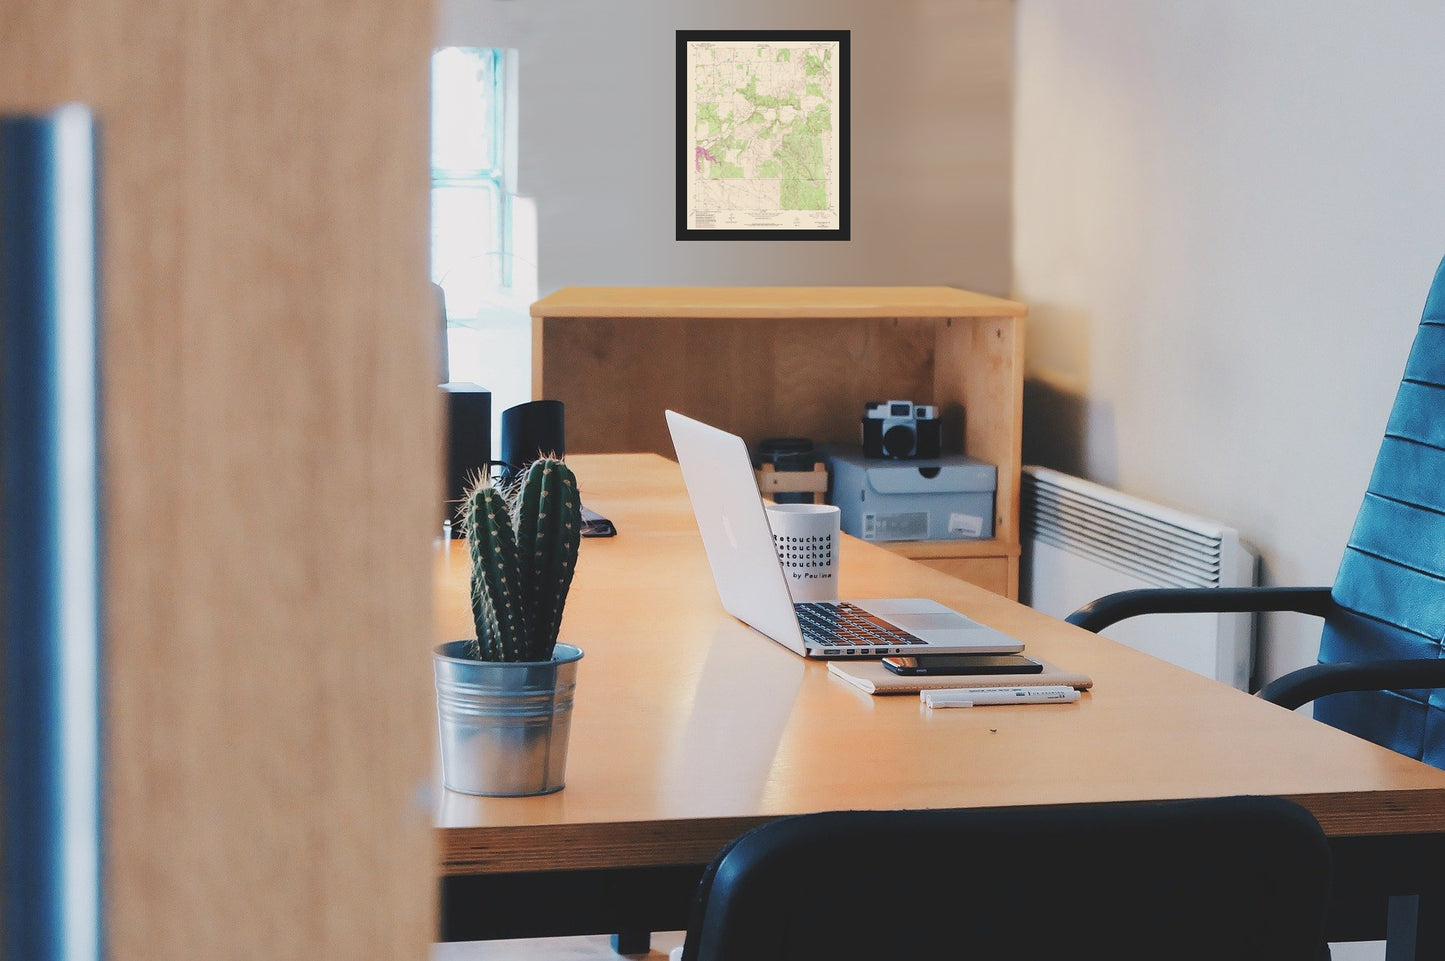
<point x="483" y="251"/>
<point x="469" y="208"/>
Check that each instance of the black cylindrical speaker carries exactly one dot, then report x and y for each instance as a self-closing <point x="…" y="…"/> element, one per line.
<point x="469" y="442"/>
<point x="530" y="431"/>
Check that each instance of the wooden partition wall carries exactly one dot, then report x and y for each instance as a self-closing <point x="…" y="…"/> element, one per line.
<point x="271" y="439"/>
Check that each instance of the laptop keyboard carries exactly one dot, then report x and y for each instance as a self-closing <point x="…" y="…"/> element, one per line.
<point x="850" y="629"/>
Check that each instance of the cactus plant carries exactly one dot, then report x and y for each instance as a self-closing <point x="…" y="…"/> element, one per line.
<point x="523" y="544"/>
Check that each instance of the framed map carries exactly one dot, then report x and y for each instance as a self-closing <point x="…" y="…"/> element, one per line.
<point x="762" y="135"/>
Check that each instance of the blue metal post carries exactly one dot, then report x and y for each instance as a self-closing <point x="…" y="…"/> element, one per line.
<point x="50" y="700"/>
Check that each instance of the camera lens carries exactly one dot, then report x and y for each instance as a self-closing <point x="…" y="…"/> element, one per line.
<point x="899" y="440"/>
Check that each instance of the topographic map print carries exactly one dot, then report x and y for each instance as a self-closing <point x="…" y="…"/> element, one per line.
<point x="762" y="137"/>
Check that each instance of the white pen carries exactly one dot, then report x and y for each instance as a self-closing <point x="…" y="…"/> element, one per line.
<point x="982" y="696"/>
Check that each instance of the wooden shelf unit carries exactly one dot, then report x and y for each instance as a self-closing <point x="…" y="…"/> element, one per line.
<point x="795" y="361"/>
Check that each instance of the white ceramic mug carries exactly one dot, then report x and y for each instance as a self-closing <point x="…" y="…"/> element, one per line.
<point x="806" y="537"/>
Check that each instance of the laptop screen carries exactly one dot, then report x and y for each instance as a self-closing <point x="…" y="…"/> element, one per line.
<point x="734" y="528"/>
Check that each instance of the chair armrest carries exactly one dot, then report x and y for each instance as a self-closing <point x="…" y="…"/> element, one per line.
<point x="1304" y="685"/>
<point x="1099" y="614"/>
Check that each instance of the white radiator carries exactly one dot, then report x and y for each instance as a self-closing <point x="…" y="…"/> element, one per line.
<point x="1082" y="541"/>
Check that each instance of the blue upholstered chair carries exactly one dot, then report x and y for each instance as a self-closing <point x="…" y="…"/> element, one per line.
<point x="1381" y="671"/>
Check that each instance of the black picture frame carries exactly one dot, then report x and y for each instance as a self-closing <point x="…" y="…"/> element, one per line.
<point x="686" y="156"/>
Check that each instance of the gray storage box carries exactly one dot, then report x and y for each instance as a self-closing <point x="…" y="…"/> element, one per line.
<point x="947" y="498"/>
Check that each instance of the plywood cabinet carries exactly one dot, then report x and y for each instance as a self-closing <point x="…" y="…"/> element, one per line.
<point x="800" y="361"/>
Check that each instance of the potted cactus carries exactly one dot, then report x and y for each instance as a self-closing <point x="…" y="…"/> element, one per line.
<point x="504" y="696"/>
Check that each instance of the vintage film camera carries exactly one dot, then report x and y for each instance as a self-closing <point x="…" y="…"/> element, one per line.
<point x="901" y="429"/>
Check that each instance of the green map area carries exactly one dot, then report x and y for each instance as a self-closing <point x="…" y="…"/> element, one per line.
<point x="766" y="120"/>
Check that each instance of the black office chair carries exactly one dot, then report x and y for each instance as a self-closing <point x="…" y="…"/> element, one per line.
<point x="1238" y="878"/>
<point x="1381" y="650"/>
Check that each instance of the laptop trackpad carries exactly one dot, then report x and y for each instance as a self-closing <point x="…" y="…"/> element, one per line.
<point x="923" y="624"/>
<point x="949" y="629"/>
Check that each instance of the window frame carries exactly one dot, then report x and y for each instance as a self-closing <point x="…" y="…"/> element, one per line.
<point x="491" y="178"/>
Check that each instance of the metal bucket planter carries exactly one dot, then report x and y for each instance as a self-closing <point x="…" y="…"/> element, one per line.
<point x="504" y="726"/>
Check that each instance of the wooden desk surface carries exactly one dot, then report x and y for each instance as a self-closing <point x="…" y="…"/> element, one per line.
<point x="689" y="727"/>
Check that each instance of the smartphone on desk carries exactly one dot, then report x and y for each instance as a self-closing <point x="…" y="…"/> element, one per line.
<point x="595" y="525"/>
<point x="936" y="664"/>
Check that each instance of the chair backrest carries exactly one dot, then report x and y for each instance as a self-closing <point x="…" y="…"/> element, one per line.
<point x="1239" y="878"/>
<point x="1390" y="589"/>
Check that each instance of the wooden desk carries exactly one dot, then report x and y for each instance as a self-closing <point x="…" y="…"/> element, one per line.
<point x="690" y="728"/>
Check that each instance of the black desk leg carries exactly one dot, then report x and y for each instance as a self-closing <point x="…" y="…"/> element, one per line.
<point x="1416" y="928"/>
<point x="632" y="942"/>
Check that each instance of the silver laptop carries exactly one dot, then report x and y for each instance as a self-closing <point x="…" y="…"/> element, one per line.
<point x="754" y="588"/>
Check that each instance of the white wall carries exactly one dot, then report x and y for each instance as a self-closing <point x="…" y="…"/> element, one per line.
<point x="930" y="139"/>
<point x="1227" y="216"/>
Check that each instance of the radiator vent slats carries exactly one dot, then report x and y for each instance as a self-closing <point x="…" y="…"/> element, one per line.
<point x="1081" y="542"/>
<point x="1161" y="547"/>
